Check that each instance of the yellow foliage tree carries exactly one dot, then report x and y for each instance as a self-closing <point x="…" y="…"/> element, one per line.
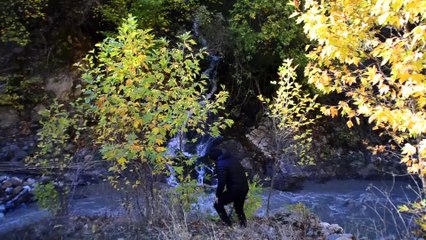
<point x="374" y="53"/>
<point x="142" y="91"/>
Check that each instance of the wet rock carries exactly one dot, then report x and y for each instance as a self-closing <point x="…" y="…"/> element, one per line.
<point x="14" y="192"/>
<point x="288" y="176"/>
<point x="19" y="155"/>
<point x="22" y="197"/>
<point x="9" y="190"/>
<point x="88" y="157"/>
<point x="17" y="150"/>
<point x="368" y="172"/>
<point x="45" y="179"/>
<point x="8" y="151"/>
<point x="17" y="190"/>
<point x="329" y="229"/>
<point x="345" y="236"/>
<point x="6" y="184"/>
<point x="9" y="117"/>
<point x="246" y="162"/>
<point x="3" y="178"/>
<point x="288" y="182"/>
<point x="15" y="181"/>
<point x="30" y="182"/>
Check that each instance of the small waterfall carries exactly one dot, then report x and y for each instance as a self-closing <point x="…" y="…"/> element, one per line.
<point x="214" y="59"/>
<point x="204" y="145"/>
<point x="171" y="179"/>
<point x="178" y="144"/>
<point x="211" y="72"/>
<point x="200" y="171"/>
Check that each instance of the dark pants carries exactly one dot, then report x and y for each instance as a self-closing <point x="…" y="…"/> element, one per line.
<point x="238" y="199"/>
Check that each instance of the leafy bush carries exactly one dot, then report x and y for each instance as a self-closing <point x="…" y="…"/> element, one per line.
<point x="20" y="90"/>
<point x="59" y="138"/>
<point x="417" y="209"/>
<point x="187" y="194"/>
<point x="47" y="197"/>
<point x="17" y="15"/>
<point x="254" y="197"/>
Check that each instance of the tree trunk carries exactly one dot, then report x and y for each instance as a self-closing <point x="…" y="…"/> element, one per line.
<point x="63" y="201"/>
<point x="271" y="188"/>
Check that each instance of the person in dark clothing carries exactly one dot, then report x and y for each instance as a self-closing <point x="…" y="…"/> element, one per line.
<point x="232" y="186"/>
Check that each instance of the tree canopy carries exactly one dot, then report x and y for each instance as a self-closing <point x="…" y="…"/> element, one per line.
<point x="144" y="91"/>
<point x="373" y="52"/>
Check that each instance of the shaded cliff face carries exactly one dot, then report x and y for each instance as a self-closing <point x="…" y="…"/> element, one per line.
<point x="338" y="152"/>
<point x="32" y="75"/>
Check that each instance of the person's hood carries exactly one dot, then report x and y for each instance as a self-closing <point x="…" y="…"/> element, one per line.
<point x="225" y="154"/>
<point x="215" y="153"/>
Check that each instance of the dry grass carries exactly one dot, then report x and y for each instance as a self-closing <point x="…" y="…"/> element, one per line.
<point x="172" y="227"/>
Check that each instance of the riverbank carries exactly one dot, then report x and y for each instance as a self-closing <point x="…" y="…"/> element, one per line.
<point x="352" y="204"/>
<point x="96" y="212"/>
<point x="294" y="224"/>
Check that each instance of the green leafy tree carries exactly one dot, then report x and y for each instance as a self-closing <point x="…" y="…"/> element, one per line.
<point x="17" y="17"/>
<point x="291" y="114"/>
<point x="264" y="27"/>
<point x="263" y="36"/>
<point x="161" y="15"/>
<point x="142" y="91"/>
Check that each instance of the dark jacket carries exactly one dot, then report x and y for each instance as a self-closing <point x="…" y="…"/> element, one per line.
<point x="230" y="174"/>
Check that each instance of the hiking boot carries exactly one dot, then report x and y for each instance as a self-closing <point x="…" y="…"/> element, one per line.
<point x="223" y="215"/>
<point x="243" y="220"/>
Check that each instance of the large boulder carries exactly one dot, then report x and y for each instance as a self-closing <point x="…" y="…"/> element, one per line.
<point x="35" y="113"/>
<point x="261" y="137"/>
<point x="237" y="149"/>
<point x="289" y="176"/>
<point x="60" y="84"/>
<point x="8" y="117"/>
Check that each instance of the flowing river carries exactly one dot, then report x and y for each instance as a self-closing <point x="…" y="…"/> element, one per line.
<point x="363" y="208"/>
